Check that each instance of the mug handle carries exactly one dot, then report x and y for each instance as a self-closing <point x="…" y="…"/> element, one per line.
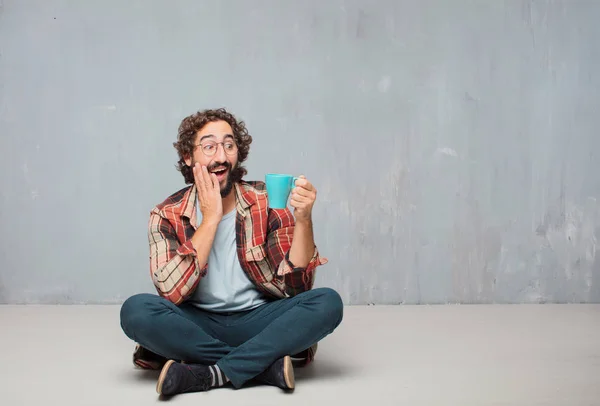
<point x="294" y="181"/>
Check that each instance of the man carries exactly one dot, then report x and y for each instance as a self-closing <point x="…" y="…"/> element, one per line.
<point x="234" y="278"/>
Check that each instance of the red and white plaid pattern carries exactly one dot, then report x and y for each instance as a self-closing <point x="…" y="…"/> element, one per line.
<point x="263" y="235"/>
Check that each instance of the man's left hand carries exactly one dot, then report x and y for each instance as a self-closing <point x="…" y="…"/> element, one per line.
<point x="303" y="198"/>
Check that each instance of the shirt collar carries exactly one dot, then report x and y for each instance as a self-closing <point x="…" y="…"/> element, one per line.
<point x="245" y="196"/>
<point x="187" y="208"/>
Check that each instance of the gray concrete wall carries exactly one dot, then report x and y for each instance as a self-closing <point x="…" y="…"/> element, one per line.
<point x="454" y="143"/>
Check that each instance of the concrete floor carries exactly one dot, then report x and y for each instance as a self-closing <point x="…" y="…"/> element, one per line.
<point x="409" y="355"/>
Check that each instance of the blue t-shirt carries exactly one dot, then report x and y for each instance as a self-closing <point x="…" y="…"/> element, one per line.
<point x="225" y="288"/>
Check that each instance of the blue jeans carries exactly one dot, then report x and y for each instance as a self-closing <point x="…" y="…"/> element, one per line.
<point x="242" y="344"/>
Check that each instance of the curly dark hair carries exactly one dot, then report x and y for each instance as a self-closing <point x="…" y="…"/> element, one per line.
<point x="186" y="137"/>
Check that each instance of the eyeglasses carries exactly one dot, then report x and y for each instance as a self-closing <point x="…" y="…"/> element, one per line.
<point x="209" y="148"/>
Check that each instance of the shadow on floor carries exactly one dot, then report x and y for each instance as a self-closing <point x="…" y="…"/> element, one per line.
<point x="143" y="375"/>
<point x="322" y="370"/>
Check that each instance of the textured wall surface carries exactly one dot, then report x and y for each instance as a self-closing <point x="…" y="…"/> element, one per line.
<point x="454" y="144"/>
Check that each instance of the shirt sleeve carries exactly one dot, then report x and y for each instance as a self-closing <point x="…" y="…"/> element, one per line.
<point x="173" y="266"/>
<point x="279" y="241"/>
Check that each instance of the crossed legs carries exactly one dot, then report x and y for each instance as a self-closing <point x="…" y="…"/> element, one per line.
<point x="242" y="345"/>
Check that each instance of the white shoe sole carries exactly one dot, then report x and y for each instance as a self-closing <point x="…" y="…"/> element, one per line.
<point x="288" y="372"/>
<point x="163" y="374"/>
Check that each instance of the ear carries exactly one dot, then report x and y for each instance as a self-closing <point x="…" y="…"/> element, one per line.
<point x="188" y="160"/>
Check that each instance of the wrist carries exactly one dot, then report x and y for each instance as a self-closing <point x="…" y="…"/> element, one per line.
<point x="212" y="221"/>
<point x="304" y="221"/>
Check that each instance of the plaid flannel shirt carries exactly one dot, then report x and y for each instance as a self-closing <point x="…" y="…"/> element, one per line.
<point x="263" y="239"/>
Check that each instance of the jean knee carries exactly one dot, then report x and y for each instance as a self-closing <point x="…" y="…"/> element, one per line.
<point x="333" y="305"/>
<point x="135" y="312"/>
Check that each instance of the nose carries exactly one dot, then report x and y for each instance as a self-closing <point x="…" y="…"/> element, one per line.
<point x="220" y="155"/>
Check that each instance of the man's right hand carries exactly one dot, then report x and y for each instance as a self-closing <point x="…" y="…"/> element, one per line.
<point x="209" y="194"/>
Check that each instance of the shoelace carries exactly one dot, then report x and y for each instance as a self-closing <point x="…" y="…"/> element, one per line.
<point x="203" y="379"/>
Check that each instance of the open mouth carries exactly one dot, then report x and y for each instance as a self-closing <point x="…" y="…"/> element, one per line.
<point x="220" y="172"/>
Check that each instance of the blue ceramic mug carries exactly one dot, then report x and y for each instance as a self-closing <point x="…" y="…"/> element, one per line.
<point x="279" y="187"/>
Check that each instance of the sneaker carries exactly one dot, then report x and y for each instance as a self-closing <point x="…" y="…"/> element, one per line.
<point x="280" y="374"/>
<point x="178" y="378"/>
<point x="305" y="357"/>
<point x="146" y="359"/>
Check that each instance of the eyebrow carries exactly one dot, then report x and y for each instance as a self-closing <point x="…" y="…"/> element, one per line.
<point x="212" y="136"/>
